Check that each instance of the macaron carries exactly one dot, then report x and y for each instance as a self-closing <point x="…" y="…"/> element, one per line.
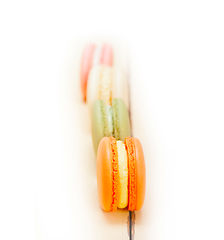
<point x="107" y="83"/>
<point x="121" y="174"/>
<point x="109" y="120"/>
<point x="94" y="55"/>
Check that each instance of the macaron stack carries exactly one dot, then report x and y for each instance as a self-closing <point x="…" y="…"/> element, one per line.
<point x="121" y="174"/>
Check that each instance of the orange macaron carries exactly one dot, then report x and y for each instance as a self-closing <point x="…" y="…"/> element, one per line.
<point x="121" y="174"/>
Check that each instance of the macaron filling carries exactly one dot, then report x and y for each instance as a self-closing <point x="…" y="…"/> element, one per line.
<point x="104" y="115"/>
<point x="116" y="121"/>
<point x="113" y="120"/>
<point x="110" y="120"/>
<point x="105" y="84"/>
<point x="122" y="175"/>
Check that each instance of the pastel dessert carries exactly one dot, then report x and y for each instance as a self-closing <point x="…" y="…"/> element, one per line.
<point x="107" y="83"/>
<point x="109" y="120"/>
<point x="121" y="174"/>
<point x="94" y="55"/>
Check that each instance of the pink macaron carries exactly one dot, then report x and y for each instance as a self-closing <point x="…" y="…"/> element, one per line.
<point x="92" y="56"/>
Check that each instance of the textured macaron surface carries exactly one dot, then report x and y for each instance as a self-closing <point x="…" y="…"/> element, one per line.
<point x="114" y="161"/>
<point x="107" y="174"/>
<point x="136" y="173"/>
<point x="132" y="189"/>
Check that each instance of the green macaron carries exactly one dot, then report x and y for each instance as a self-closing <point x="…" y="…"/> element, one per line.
<point x="109" y="121"/>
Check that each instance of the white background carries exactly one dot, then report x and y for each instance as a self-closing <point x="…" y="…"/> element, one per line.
<point x="177" y="54"/>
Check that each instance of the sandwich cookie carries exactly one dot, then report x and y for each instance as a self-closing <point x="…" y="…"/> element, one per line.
<point x="121" y="174"/>
<point x="109" y="120"/>
<point x="94" y="55"/>
<point x="107" y="83"/>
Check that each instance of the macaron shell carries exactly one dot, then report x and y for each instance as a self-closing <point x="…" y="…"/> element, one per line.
<point x="99" y="122"/>
<point x="96" y="56"/>
<point x="122" y="128"/>
<point x="104" y="174"/>
<point x="93" y="85"/>
<point x="106" y="55"/>
<point x="136" y="173"/>
<point x="105" y="177"/>
<point x="120" y="85"/>
<point x="132" y="173"/>
<point x="86" y="64"/>
<point x="140" y="173"/>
